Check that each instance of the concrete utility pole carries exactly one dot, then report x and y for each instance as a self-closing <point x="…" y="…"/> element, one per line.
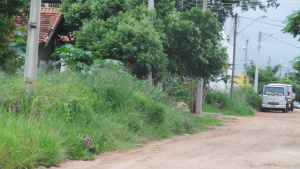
<point x="204" y="5"/>
<point x="233" y="60"/>
<point x="280" y="68"/>
<point x="269" y="61"/>
<point x="149" y="70"/>
<point x="32" y="45"/>
<point x="257" y="63"/>
<point x="199" y="99"/>
<point x="245" y="71"/>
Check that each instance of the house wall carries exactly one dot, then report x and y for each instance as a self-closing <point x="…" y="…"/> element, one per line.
<point x="221" y="85"/>
<point x="45" y="53"/>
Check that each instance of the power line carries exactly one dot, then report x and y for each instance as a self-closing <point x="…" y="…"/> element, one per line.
<point x="283" y="41"/>
<point x="262" y="22"/>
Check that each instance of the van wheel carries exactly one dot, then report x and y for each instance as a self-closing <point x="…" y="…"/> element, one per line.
<point x="283" y="110"/>
<point x="292" y="106"/>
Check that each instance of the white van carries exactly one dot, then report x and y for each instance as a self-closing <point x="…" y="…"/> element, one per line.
<point x="278" y="97"/>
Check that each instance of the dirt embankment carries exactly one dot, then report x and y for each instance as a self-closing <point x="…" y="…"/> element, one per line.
<point x="265" y="141"/>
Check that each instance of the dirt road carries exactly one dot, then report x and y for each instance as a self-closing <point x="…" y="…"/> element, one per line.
<point x="265" y="141"/>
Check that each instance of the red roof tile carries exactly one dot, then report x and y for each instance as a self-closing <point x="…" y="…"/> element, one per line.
<point x="50" y="18"/>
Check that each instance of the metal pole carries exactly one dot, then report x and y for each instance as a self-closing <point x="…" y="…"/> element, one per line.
<point x="245" y="71"/>
<point x="233" y="61"/>
<point x="30" y="70"/>
<point x="257" y="63"/>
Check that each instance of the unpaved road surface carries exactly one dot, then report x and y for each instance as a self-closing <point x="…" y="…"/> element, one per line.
<point x="265" y="141"/>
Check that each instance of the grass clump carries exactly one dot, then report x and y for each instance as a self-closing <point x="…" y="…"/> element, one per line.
<point x="244" y="102"/>
<point x="117" y="110"/>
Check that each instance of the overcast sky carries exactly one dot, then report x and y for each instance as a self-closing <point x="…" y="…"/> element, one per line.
<point x="281" y="47"/>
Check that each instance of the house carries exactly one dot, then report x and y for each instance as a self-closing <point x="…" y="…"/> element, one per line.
<point x="219" y="84"/>
<point x="49" y="39"/>
<point x="51" y="3"/>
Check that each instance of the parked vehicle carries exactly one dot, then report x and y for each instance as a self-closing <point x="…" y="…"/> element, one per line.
<point x="296" y="105"/>
<point x="278" y="97"/>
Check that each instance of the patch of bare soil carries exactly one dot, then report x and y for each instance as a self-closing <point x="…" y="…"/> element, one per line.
<point x="265" y="141"/>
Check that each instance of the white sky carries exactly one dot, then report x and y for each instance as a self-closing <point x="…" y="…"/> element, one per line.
<point x="280" y="52"/>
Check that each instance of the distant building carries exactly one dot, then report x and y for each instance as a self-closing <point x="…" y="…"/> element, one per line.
<point x="51" y="3"/>
<point x="49" y="34"/>
<point x="221" y="85"/>
<point x="239" y="79"/>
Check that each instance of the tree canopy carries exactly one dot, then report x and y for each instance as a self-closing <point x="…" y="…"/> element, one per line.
<point x="9" y="60"/>
<point x="293" y="24"/>
<point x="293" y="27"/>
<point x="194" y="47"/>
<point x="265" y="76"/>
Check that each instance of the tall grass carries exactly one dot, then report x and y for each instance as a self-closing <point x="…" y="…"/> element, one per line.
<point x="240" y="105"/>
<point x="116" y="109"/>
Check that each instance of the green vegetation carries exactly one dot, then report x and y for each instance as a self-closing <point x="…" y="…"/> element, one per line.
<point x="292" y="24"/>
<point x="10" y="61"/>
<point x="116" y="109"/>
<point x="243" y="104"/>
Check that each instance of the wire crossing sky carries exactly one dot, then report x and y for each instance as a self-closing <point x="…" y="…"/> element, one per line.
<point x="281" y="47"/>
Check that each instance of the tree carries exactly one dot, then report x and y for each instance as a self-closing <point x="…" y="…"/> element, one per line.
<point x="293" y="27"/>
<point x="264" y="76"/>
<point x="10" y="61"/>
<point x="133" y="41"/>
<point x="76" y="12"/>
<point x="193" y="46"/>
<point x="293" y="24"/>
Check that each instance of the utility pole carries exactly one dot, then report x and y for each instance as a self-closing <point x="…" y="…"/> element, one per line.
<point x="181" y="4"/>
<point x="257" y="63"/>
<point x="280" y="71"/>
<point x="269" y="61"/>
<point x="199" y="99"/>
<point x="30" y="70"/>
<point x="245" y="71"/>
<point x="149" y="70"/>
<point x="204" y="5"/>
<point x="233" y="60"/>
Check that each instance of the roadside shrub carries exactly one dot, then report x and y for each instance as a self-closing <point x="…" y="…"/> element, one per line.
<point x="240" y="105"/>
<point x="217" y="98"/>
<point x="176" y="87"/>
<point x="153" y="111"/>
<point x="252" y="97"/>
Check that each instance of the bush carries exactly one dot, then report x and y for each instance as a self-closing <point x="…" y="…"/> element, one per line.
<point x="217" y="98"/>
<point x="240" y="105"/>
<point x="252" y="97"/>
